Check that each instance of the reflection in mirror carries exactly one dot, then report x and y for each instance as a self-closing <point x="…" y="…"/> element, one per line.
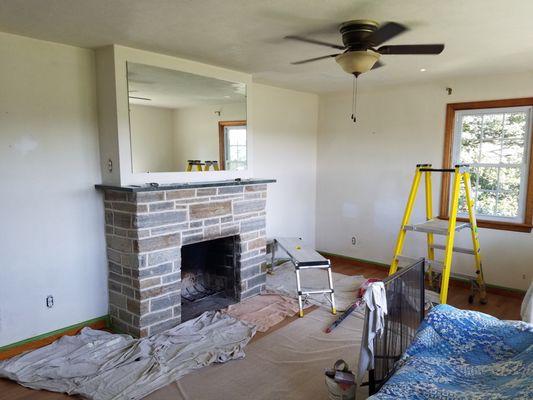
<point x="185" y="122"/>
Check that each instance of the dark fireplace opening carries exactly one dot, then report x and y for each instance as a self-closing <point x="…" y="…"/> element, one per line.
<point x="208" y="276"/>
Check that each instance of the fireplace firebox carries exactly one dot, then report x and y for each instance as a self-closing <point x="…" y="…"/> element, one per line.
<point x="208" y="276"/>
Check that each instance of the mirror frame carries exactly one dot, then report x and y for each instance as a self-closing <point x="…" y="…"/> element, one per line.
<point x="123" y="55"/>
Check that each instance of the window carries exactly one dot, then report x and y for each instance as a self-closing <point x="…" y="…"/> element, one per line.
<point x="494" y="138"/>
<point x="233" y="149"/>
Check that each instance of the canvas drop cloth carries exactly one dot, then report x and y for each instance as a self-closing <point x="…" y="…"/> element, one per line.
<point x="284" y="281"/>
<point x="264" y="311"/>
<point x="103" y="366"/>
<point x="287" y="364"/>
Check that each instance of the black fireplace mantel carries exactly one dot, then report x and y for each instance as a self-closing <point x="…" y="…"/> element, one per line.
<point x="149" y="187"/>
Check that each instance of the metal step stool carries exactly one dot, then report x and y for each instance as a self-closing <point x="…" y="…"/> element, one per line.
<point x="304" y="257"/>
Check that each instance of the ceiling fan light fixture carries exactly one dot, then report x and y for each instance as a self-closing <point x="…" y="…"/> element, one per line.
<point x="357" y="62"/>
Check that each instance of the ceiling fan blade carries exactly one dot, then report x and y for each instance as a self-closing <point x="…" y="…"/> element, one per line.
<point x="412" y="49"/>
<point x="313" y="41"/>
<point x="385" y="32"/>
<point x="314" y="59"/>
<point x="377" y="65"/>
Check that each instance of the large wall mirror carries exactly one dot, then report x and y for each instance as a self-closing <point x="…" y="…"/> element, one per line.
<point x="185" y="122"/>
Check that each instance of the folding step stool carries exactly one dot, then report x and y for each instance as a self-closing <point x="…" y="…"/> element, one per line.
<point x="434" y="226"/>
<point x="304" y="257"/>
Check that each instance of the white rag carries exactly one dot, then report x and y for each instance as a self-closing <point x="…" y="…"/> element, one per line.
<point x="526" y="311"/>
<point x="375" y="299"/>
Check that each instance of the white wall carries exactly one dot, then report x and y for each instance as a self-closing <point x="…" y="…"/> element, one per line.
<point x="152" y="138"/>
<point x="52" y="238"/>
<point x="285" y="145"/>
<point x="196" y="131"/>
<point x="365" y="171"/>
<point x="52" y="235"/>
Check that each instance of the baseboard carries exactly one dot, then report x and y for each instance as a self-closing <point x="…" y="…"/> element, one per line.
<point x="46" y="338"/>
<point x="496" y="289"/>
<point x="359" y="260"/>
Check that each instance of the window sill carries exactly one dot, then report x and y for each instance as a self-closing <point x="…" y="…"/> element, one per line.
<point x="500" y="225"/>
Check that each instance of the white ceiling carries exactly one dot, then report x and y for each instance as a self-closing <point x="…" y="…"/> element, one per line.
<point x="481" y="36"/>
<point x="175" y="89"/>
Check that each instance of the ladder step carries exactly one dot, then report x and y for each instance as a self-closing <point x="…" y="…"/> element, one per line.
<point x="404" y="261"/>
<point x="437" y="266"/>
<point x="455" y="249"/>
<point x="436" y="226"/>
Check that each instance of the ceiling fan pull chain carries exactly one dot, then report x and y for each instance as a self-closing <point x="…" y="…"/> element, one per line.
<point x="354" y="98"/>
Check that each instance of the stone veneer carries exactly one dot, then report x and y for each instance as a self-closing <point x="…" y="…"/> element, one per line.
<point x="145" y="231"/>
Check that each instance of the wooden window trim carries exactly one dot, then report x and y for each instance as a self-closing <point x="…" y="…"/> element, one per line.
<point x="221" y="143"/>
<point x="451" y="108"/>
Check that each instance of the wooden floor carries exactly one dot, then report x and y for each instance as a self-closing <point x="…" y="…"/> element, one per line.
<point x="502" y="304"/>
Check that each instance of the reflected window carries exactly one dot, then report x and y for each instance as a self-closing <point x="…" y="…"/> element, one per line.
<point x="233" y="145"/>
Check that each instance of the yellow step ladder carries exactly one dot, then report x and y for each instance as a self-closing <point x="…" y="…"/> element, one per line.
<point x="434" y="226"/>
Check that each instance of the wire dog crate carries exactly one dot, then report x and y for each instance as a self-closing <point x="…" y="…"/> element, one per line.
<point x="405" y="304"/>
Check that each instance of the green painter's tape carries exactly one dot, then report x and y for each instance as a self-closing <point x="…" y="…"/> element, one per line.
<point x="56" y="332"/>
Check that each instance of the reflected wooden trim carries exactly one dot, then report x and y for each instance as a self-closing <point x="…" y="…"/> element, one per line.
<point x="451" y="108"/>
<point x="221" y="143"/>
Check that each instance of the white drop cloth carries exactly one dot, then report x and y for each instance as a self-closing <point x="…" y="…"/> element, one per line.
<point x="287" y="364"/>
<point x="264" y="311"/>
<point x="284" y="281"/>
<point x="103" y="366"/>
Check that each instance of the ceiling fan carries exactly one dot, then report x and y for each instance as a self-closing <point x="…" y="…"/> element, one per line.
<point x="362" y="48"/>
<point x="361" y="39"/>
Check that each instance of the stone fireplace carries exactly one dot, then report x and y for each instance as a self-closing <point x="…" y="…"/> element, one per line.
<point x="178" y="250"/>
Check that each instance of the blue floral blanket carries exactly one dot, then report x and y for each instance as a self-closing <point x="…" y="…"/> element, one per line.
<point x="459" y="354"/>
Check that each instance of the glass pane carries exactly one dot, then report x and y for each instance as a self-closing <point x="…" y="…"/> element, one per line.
<point x="474" y="172"/>
<point x="471" y="127"/>
<point x="508" y="204"/>
<point x="486" y="203"/>
<point x="237" y="136"/>
<point x="510" y="179"/>
<point x="512" y="151"/>
<point x="241" y="151"/>
<point x="515" y="125"/>
<point x="492" y="126"/>
<point x="469" y="151"/>
<point x="488" y="178"/>
<point x="233" y="153"/>
<point x="490" y="151"/>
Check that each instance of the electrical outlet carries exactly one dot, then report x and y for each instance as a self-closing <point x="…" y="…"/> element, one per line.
<point x="49" y="301"/>
<point x="354" y="241"/>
